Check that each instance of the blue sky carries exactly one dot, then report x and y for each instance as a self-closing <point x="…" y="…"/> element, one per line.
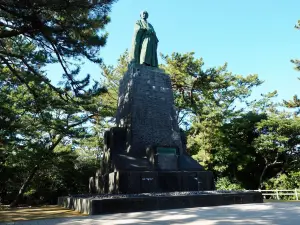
<point x="253" y="37"/>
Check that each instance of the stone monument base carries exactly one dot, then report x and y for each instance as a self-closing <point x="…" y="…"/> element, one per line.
<point x="102" y="204"/>
<point x="132" y="182"/>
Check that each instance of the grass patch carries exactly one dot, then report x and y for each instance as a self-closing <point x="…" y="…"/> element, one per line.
<point x="34" y="213"/>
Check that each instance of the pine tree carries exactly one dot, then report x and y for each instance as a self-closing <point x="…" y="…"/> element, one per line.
<point x="295" y="102"/>
<point x="36" y="115"/>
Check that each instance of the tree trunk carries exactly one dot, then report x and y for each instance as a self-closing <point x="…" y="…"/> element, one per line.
<point x="32" y="173"/>
<point x="264" y="171"/>
<point x="261" y="176"/>
<point x="24" y="187"/>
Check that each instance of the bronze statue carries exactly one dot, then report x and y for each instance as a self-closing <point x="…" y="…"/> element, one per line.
<point x="144" y="43"/>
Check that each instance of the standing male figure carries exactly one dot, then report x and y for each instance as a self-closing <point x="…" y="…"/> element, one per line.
<point x="144" y="43"/>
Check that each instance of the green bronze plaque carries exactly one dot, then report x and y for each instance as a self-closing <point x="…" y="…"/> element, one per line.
<point x="165" y="150"/>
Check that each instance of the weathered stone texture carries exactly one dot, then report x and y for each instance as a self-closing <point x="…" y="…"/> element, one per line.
<point x="146" y="109"/>
<point x="102" y="204"/>
<point x="147" y="140"/>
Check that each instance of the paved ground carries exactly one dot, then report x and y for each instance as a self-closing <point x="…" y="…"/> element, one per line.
<point x="260" y="214"/>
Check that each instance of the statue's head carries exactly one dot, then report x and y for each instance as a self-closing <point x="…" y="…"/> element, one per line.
<point x="144" y="15"/>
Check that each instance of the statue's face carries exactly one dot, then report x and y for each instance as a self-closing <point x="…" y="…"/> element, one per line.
<point x="144" y="15"/>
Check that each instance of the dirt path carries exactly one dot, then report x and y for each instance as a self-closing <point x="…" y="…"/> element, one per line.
<point x="45" y="212"/>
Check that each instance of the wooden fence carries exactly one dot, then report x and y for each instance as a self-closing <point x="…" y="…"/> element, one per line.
<point x="277" y="194"/>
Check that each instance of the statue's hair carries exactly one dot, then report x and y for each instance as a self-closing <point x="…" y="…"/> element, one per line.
<point x="143" y="12"/>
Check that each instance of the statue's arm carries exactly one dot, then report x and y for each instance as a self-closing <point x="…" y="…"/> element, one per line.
<point x="136" y="42"/>
<point x="154" y="33"/>
<point x="137" y="31"/>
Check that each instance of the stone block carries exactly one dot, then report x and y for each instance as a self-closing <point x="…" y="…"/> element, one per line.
<point x="166" y="162"/>
<point x="101" y="204"/>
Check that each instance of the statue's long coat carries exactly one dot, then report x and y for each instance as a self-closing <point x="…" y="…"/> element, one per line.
<point x="144" y="45"/>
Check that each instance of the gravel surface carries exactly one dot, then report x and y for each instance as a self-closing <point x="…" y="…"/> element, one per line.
<point x="162" y="194"/>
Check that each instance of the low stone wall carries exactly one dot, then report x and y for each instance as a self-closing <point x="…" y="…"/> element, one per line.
<point x="102" y="204"/>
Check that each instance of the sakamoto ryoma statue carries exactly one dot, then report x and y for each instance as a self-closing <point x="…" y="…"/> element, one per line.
<point x="144" y="43"/>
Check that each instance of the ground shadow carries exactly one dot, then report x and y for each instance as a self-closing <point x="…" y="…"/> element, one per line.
<point x="261" y="214"/>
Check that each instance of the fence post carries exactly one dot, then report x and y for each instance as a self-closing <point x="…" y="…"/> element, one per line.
<point x="277" y="195"/>
<point x="296" y="194"/>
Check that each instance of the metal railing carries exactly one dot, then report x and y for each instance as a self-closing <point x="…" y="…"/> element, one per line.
<point x="278" y="193"/>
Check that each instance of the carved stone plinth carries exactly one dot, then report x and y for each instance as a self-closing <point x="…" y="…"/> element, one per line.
<point x="146" y="110"/>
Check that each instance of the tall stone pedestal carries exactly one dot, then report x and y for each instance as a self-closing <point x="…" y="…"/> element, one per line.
<point x="146" y="110"/>
<point x="147" y="152"/>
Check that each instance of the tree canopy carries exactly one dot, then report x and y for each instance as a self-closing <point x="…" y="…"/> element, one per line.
<point x="37" y="115"/>
<point x="295" y="102"/>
